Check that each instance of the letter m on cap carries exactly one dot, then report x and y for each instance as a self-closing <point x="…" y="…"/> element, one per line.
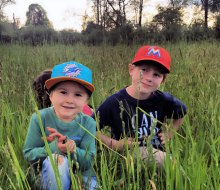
<point x="152" y="51"/>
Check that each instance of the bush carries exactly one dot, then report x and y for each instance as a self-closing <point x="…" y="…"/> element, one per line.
<point x="70" y="37"/>
<point x="7" y="32"/>
<point x="37" y="35"/>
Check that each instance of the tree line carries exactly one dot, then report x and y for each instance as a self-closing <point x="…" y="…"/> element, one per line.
<point x="112" y="25"/>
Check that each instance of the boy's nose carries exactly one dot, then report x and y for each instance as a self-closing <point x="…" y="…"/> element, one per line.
<point x="70" y="99"/>
<point x="148" y="77"/>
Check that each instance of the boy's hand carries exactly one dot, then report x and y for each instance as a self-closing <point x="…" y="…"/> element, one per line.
<point x="54" y="134"/>
<point x="69" y="145"/>
<point x="120" y="145"/>
<point x="63" y="144"/>
<point x="163" y="138"/>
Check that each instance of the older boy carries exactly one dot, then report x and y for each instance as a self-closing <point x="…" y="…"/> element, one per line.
<point x="141" y="108"/>
<point x="65" y="126"/>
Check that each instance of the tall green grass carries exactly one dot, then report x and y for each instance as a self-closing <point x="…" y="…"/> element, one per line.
<point x="194" y="78"/>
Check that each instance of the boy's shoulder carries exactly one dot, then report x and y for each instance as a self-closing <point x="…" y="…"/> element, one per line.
<point x="43" y="112"/>
<point x="163" y="95"/>
<point x="117" y="96"/>
<point x="168" y="99"/>
<point x="81" y="118"/>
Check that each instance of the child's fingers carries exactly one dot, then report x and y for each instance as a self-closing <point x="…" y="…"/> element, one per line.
<point x="62" y="147"/>
<point x="62" y="139"/>
<point x="48" y="138"/>
<point x="51" y="130"/>
<point x="71" y="145"/>
<point x="54" y="135"/>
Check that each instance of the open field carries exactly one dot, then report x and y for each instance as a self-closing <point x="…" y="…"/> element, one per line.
<point x="194" y="79"/>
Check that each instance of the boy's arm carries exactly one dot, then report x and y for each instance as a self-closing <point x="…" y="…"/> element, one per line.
<point x="117" y="145"/>
<point x="34" y="147"/>
<point x="176" y="123"/>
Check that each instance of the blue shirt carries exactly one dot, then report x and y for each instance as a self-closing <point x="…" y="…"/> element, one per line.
<point x="127" y="115"/>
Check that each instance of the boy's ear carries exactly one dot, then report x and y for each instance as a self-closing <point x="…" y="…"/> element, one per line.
<point x="131" y="68"/>
<point x="164" y="78"/>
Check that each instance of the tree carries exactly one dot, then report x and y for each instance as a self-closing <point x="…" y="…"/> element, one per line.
<point x="140" y="12"/>
<point x="37" y="16"/>
<point x="3" y="4"/>
<point x="138" y="6"/>
<point x="169" y="21"/>
<point x="178" y="3"/>
<point x="110" y="13"/>
<point x="208" y="5"/>
<point x="97" y="10"/>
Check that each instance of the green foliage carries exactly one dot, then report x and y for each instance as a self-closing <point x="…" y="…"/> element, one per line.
<point x="69" y="37"/>
<point x="123" y="34"/>
<point x="37" y="16"/>
<point x="7" y="32"/>
<point x="194" y="79"/>
<point x="37" y="35"/>
<point x="93" y="34"/>
<point x="169" y="22"/>
<point x="198" y="32"/>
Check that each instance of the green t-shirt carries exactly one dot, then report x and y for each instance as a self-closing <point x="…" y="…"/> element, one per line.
<point x="34" y="147"/>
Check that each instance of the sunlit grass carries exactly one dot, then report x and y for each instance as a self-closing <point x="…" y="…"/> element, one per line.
<point x="194" y="78"/>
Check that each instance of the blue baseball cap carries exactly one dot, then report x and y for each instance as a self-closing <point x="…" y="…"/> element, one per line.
<point x="71" y="71"/>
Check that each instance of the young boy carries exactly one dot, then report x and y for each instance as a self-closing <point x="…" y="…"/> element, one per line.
<point x="42" y="95"/>
<point x="141" y="108"/>
<point x="65" y="126"/>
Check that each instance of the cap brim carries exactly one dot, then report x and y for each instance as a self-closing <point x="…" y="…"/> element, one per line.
<point x="151" y="59"/>
<point x="51" y="82"/>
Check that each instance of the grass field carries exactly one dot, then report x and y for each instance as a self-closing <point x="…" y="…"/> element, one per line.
<point x="194" y="79"/>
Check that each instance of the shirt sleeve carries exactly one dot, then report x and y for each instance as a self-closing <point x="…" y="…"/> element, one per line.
<point x="175" y="108"/>
<point x="108" y="113"/>
<point x="34" y="147"/>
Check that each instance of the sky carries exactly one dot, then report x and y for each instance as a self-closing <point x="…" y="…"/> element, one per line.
<point x="65" y="14"/>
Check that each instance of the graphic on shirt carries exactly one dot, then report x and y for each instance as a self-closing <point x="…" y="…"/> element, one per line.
<point x="147" y="124"/>
<point x="152" y="51"/>
<point x="71" y="70"/>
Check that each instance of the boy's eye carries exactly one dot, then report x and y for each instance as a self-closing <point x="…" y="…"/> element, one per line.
<point x="63" y="92"/>
<point x="157" y="74"/>
<point x="77" y="94"/>
<point x="144" y="69"/>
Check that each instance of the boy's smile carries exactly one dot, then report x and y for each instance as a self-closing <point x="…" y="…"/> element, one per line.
<point x="68" y="99"/>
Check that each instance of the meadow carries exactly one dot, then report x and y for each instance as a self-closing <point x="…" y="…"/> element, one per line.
<point x="194" y="79"/>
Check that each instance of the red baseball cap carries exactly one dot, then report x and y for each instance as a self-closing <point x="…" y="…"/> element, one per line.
<point x="153" y="53"/>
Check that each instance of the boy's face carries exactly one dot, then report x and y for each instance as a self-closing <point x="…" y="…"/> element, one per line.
<point x="68" y="99"/>
<point x="146" y="78"/>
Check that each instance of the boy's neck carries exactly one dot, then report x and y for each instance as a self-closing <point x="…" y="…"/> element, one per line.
<point x="134" y="93"/>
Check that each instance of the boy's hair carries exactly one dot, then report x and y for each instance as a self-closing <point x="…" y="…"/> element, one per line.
<point x="39" y="89"/>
